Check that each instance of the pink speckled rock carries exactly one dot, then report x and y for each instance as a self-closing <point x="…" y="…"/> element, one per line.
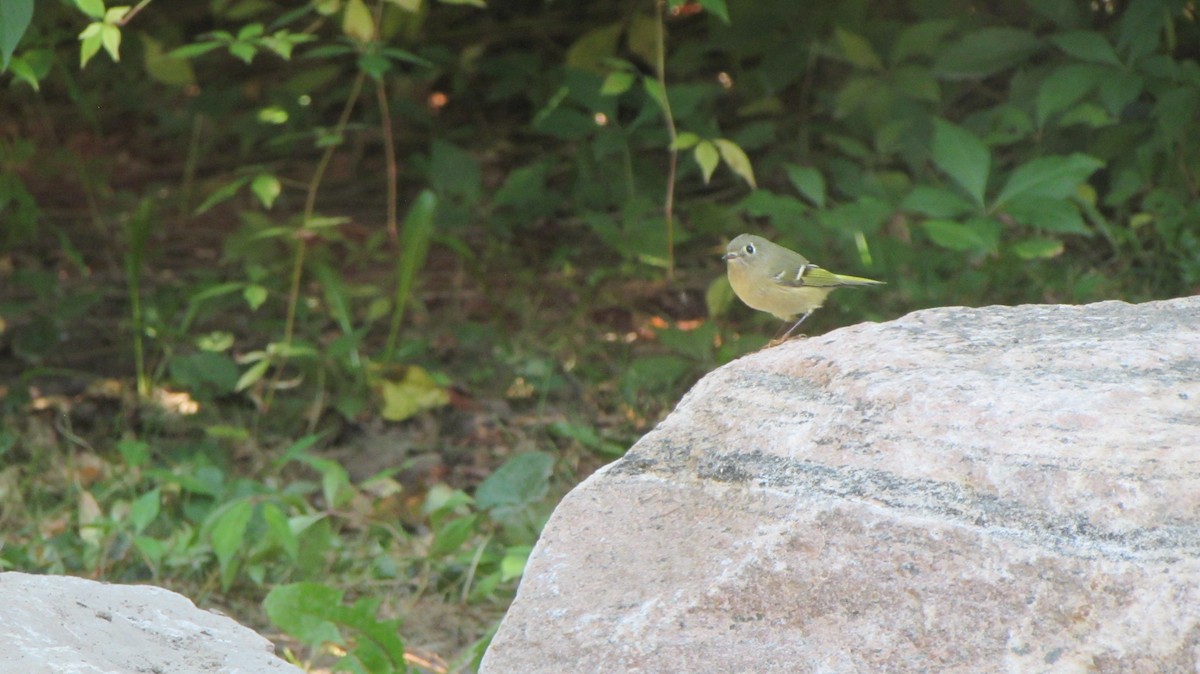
<point x="1003" y="489"/>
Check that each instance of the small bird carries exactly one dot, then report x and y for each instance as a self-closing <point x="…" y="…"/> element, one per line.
<point x="771" y="278"/>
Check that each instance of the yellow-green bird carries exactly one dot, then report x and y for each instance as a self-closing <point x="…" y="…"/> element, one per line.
<point x="771" y="278"/>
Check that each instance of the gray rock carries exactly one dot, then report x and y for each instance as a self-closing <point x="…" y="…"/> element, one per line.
<point x="65" y="625"/>
<point x="1003" y="489"/>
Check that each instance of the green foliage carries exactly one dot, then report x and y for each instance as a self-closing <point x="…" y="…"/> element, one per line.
<point x="536" y="190"/>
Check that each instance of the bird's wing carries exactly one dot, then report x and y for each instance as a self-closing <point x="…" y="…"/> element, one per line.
<point x="815" y="277"/>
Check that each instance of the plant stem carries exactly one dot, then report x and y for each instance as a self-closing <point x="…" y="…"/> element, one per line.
<point x="660" y="68"/>
<point x="310" y="204"/>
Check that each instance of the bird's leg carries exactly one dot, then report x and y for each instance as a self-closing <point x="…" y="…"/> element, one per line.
<point x="797" y="324"/>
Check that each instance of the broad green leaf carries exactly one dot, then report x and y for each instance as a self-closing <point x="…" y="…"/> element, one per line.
<point x="1055" y="177"/>
<point x="641" y="36"/>
<point x="685" y="140"/>
<point x="116" y="14"/>
<point x="357" y="22"/>
<point x="594" y="47"/>
<point x="1141" y="27"/>
<point x="985" y="52"/>
<point x="522" y="480"/>
<point x="165" y="68"/>
<point x="93" y="8"/>
<point x="90" y="43"/>
<point x="657" y="93"/>
<point x="1119" y="89"/>
<point x="866" y="213"/>
<point x="1065" y="86"/>
<point x="707" y="156"/>
<point x="303" y="609"/>
<point x="1060" y="216"/>
<point x="617" y="83"/>
<point x="936" y="202"/>
<point x="255" y="295"/>
<point x="145" y="509"/>
<point x="452" y="534"/>
<point x="110" y="37"/>
<point x="736" y="159"/>
<point x="920" y="39"/>
<point x="1038" y="248"/>
<point x="280" y="530"/>
<point x="719" y="296"/>
<point x="1087" y="46"/>
<point x="808" y="182"/>
<point x="857" y="50"/>
<point x="415" y="393"/>
<point x="963" y="157"/>
<point x="718" y="9"/>
<point x="513" y="564"/>
<point x="266" y="187"/>
<point x="228" y="529"/>
<point x="15" y="16"/>
<point x="975" y="236"/>
<point x="917" y="83"/>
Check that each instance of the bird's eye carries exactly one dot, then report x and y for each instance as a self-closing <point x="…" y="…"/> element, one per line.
<point x="749" y="249"/>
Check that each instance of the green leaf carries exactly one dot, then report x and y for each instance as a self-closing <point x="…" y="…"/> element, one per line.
<point x="15" y="16"/>
<point x="513" y="564"/>
<point x="985" y="52"/>
<point x="252" y="374"/>
<point x="302" y="610"/>
<point x="920" y="39"/>
<point x="1037" y="248"/>
<point x="617" y="83"/>
<point x="165" y="68"/>
<point x="1086" y="45"/>
<point x="357" y="23"/>
<point x="110" y="36"/>
<point x="93" y="8"/>
<point x="718" y="9"/>
<point x="227" y="530"/>
<point x="410" y="396"/>
<point x="90" y="43"/>
<point x="707" y="156"/>
<point x="522" y="480"/>
<point x="255" y="295"/>
<point x="594" y="47"/>
<point x="1119" y="89"/>
<point x="414" y="241"/>
<point x="452" y="534"/>
<point x="267" y="188"/>
<point x="144" y="509"/>
<point x="719" y="296"/>
<point x="685" y="140"/>
<point x="453" y="171"/>
<point x="221" y="194"/>
<point x="735" y="158"/>
<point x="279" y="530"/>
<point x="963" y="157"/>
<point x="857" y="50"/>
<point x="657" y="93"/>
<point x="808" y="182"/>
<point x="917" y="83"/>
<point x="977" y="235"/>
<point x="1055" y="177"/>
<point x="936" y="202"/>
<point x="1060" y="216"/>
<point x="1064" y="87"/>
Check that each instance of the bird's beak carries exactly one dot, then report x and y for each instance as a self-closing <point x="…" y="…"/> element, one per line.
<point x="728" y="256"/>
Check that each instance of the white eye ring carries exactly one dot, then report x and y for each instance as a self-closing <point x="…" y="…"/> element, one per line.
<point x="749" y="249"/>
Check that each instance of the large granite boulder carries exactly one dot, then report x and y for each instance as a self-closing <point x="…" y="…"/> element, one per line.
<point x="59" y="624"/>
<point x="1003" y="489"/>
